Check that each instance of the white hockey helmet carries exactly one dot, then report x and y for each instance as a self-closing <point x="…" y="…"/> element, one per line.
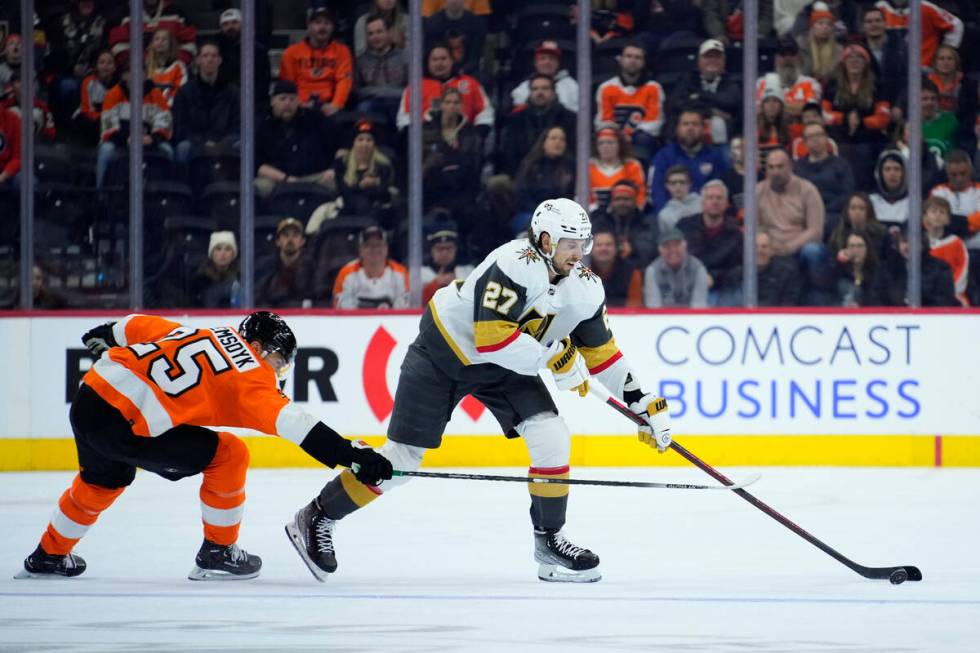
<point x="561" y="218"/>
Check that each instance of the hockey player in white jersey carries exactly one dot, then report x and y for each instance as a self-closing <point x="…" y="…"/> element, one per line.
<point x="530" y="305"/>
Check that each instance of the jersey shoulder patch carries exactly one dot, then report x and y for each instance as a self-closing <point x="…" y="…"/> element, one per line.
<point x="587" y="285"/>
<point x="522" y="264"/>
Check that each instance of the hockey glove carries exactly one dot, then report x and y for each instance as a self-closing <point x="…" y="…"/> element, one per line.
<point x="370" y="467"/>
<point x="568" y="367"/>
<point x="100" y="339"/>
<point x="653" y="410"/>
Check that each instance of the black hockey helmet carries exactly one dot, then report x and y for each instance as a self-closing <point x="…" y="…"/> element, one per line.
<point x="272" y="331"/>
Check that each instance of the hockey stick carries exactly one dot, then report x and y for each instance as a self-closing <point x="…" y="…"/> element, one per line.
<point x="578" y="481"/>
<point x="896" y="575"/>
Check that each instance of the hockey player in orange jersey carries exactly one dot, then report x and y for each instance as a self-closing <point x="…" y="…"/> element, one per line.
<point x="148" y="402"/>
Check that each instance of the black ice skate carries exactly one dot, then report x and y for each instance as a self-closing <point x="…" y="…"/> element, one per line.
<point x="311" y="533"/>
<point x="220" y="562"/>
<point x="560" y="561"/>
<point x="44" y="565"/>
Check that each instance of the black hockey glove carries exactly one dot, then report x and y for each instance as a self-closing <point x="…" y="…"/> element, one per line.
<point x="100" y="339"/>
<point x="370" y="467"/>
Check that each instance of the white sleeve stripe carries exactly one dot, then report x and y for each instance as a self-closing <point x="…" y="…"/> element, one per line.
<point x="119" y="330"/>
<point x="67" y="526"/>
<point x="294" y="423"/>
<point x="222" y="516"/>
<point x="138" y="391"/>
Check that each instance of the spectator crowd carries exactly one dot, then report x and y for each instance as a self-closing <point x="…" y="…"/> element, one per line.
<point x="499" y="104"/>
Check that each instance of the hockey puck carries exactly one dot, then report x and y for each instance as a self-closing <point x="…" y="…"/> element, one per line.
<point x="898" y="577"/>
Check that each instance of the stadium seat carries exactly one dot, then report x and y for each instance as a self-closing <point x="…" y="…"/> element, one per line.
<point x="62" y="215"/>
<point x="298" y="200"/>
<point x="163" y="200"/>
<point x="212" y="166"/>
<point x="336" y="245"/>
<point x="52" y="164"/>
<point x="536" y="22"/>
<point x="221" y="202"/>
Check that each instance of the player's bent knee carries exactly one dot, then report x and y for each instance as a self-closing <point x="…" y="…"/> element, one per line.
<point x="403" y="457"/>
<point x="238" y="453"/>
<point x="548" y="439"/>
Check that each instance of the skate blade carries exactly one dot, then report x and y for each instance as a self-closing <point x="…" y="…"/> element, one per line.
<point x="214" y="574"/>
<point x="558" y="574"/>
<point x="23" y="573"/>
<point x="292" y="532"/>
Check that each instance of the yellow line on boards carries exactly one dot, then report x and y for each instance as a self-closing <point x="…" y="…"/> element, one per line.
<point x="35" y="454"/>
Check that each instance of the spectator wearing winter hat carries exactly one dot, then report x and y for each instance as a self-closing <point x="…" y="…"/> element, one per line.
<point x="819" y="50"/>
<point x="547" y="61"/>
<point x="319" y="65"/>
<point x="775" y="128"/>
<point x="293" y="143"/>
<point x="216" y="283"/>
<point x="857" y="113"/>
<point x="365" y="176"/>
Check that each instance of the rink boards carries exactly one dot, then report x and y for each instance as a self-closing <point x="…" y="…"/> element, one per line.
<point x="760" y="388"/>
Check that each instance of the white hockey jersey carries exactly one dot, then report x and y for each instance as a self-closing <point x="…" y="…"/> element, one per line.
<point x="507" y="311"/>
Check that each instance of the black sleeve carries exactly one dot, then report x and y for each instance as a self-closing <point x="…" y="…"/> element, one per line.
<point x="327" y="446"/>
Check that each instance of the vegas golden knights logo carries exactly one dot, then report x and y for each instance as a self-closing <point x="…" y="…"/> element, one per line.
<point x="586" y="273"/>
<point x="535" y="325"/>
<point x="529" y="256"/>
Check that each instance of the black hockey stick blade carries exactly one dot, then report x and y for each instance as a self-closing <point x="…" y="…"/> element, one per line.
<point x="897" y="575"/>
<point x="576" y="481"/>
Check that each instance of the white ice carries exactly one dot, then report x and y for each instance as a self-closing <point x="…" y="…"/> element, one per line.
<point x="446" y="566"/>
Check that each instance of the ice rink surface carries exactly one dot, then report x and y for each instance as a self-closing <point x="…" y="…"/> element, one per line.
<point x="446" y="566"/>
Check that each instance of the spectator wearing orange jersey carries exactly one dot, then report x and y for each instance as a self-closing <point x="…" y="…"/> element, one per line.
<point x="946" y="247"/>
<point x="963" y="194"/>
<point x="162" y="65"/>
<point x="157" y="122"/>
<point x="636" y="233"/>
<point x="798" y="89"/>
<point x="95" y="86"/>
<point x="611" y="161"/>
<point x="938" y="25"/>
<point x="440" y="72"/>
<point x="812" y="115"/>
<point x="320" y="66"/>
<point x="478" y="7"/>
<point x="372" y="280"/>
<point x="632" y="100"/>
<point x="153" y="399"/>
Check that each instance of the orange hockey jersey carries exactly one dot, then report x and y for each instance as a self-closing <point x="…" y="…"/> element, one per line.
<point x="170" y="79"/>
<point x="326" y="72"/>
<point x="952" y="250"/>
<point x="630" y="107"/>
<point x="937" y="25"/>
<point x="157" y="118"/>
<point x="602" y="179"/>
<point x="164" y="374"/>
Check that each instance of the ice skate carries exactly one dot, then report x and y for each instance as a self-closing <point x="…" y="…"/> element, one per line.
<point x="41" y="564"/>
<point x="560" y="561"/>
<point x="220" y="562"/>
<point x="311" y="533"/>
